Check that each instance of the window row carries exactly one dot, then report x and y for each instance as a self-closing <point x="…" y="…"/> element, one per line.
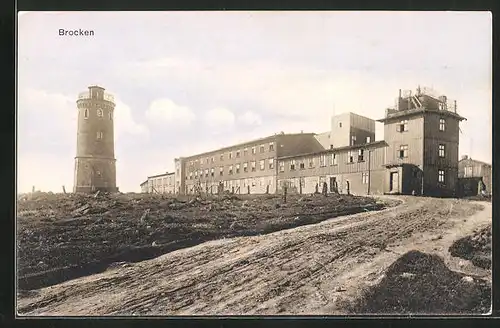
<point x="99" y="113"/>
<point x="403" y="151"/>
<point x="237" y="154"/>
<point x="233" y="169"/>
<point x="403" y="125"/>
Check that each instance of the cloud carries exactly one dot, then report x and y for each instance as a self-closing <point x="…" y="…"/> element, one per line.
<point x="166" y="111"/>
<point x="125" y="123"/>
<point x="250" y="118"/>
<point x="219" y="117"/>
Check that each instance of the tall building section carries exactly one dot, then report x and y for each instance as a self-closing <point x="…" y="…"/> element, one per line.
<point x="422" y="134"/>
<point x="95" y="163"/>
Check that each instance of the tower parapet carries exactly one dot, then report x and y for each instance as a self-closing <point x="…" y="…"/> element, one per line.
<point x="95" y="163"/>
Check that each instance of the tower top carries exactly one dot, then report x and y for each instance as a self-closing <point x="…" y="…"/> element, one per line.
<point x="95" y="87"/>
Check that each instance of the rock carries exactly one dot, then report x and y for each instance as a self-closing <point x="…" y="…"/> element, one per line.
<point x="468" y="279"/>
<point x="407" y="275"/>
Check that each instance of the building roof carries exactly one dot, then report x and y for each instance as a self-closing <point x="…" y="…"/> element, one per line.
<point x="143" y="183"/>
<point x="246" y="143"/>
<point x="160" y="175"/>
<point x="473" y="160"/>
<point x="416" y="111"/>
<point x="374" y="144"/>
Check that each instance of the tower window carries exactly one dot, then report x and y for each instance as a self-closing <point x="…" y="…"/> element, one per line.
<point x="442" y="124"/>
<point x="100" y="135"/>
<point x="86" y="113"/>
<point x="110" y="115"/>
<point x="441" y="150"/>
<point x="340" y="124"/>
<point x="441" y="176"/>
<point x="99" y="112"/>
<point x="403" y="151"/>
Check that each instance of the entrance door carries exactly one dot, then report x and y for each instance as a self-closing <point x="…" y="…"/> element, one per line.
<point x="394" y="182"/>
<point x="333" y="184"/>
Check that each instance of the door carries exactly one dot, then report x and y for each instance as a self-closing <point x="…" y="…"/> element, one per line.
<point x="394" y="182"/>
<point x="333" y="184"/>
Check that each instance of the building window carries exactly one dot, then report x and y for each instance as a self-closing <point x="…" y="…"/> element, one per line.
<point x="282" y="166"/>
<point x="335" y="159"/>
<point x="262" y="163"/>
<point x="86" y="113"/>
<point x="110" y="115"/>
<point x="196" y="174"/>
<point x="368" y="139"/>
<point x="322" y="160"/>
<point x="245" y="152"/>
<point x="237" y="168"/>
<point x="207" y="160"/>
<point x="292" y="165"/>
<point x="245" y="167"/>
<point x="230" y="155"/>
<point x="271" y="146"/>
<point x="403" y="126"/>
<point x="403" y="151"/>
<point x="221" y="171"/>
<point x="468" y="171"/>
<point x="353" y="140"/>
<point x="190" y="175"/>
<point x="442" y="124"/>
<point x="212" y="160"/>
<point x="99" y="112"/>
<point x="253" y="166"/>
<point x="441" y="150"/>
<point x="441" y="176"/>
<point x="212" y="172"/>
<point x="361" y="157"/>
<point x="350" y="157"/>
<point x="271" y="163"/>
<point x="100" y="135"/>
<point x="340" y="124"/>
<point x="302" y="165"/>
<point x="262" y="148"/>
<point x="237" y="154"/>
<point x="311" y="162"/>
<point x="364" y="177"/>
<point x="222" y="157"/>
<point x="253" y="150"/>
<point x="230" y="169"/>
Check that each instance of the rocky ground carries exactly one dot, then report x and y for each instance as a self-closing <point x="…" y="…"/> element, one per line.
<point x="393" y="260"/>
<point x="476" y="248"/>
<point x="64" y="236"/>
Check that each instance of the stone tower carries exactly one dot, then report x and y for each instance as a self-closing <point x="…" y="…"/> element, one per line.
<point x="95" y="163"/>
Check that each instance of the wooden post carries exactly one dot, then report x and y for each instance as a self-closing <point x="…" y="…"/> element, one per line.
<point x="64" y="189"/>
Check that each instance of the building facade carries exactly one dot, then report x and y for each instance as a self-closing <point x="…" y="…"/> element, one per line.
<point x="95" y="163"/>
<point x="419" y="155"/>
<point x="422" y="135"/>
<point x="159" y="184"/>
<point x="474" y="175"/>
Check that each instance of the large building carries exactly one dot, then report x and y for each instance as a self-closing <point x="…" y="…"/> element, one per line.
<point x="419" y="155"/>
<point x="95" y="163"/>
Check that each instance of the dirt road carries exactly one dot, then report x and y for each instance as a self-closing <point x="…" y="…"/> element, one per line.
<point x="314" y="269"/>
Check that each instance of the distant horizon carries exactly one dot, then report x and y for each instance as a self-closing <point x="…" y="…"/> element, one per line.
<point x="185" y="84"/>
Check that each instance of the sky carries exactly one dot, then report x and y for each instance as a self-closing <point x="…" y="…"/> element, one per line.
<point x="188" y="82"/>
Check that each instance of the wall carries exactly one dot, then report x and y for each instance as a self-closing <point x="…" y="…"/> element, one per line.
<point x="307" y="177"/>
<point x="413" y="138"/>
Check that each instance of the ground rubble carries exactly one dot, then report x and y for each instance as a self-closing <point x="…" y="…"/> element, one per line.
<point x="64" y="236"/>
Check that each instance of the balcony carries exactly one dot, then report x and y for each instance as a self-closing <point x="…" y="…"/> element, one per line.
<point x="86" y="95"/>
